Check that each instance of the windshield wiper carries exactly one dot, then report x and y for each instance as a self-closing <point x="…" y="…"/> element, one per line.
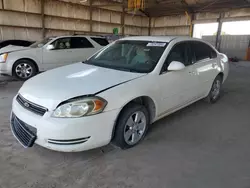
<point x="86" y="61"/>
<point x="125" y="69"/>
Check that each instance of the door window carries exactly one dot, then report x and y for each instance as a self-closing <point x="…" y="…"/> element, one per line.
<point x="81" y="42"/>
<point x="62" y="44"/>
<point x="180" y="52"/>
<point x="203" y="51"/>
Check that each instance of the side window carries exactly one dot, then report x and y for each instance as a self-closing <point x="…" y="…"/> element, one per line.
<point x="100" y="41"/>
<point x="62" y="44"/>
<point x="4" y="44"/>
<point x="178" y="53"/>
<point x="25" y="43"/>
<point x="21" y="43"/>
<point x="81" y="42"/>
<point x="213" y="53"/>
<point x="14" y="42"/>
<point x="203" y="51"/>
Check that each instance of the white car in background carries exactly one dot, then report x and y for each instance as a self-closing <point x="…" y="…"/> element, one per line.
<point x="25" y="62"/>
<point x="117" y="93"/>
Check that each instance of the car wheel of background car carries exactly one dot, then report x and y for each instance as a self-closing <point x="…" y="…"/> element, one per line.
<point x="215" y="91"/>
<point x="131" y="126"/>
<point x="24" y="69"/>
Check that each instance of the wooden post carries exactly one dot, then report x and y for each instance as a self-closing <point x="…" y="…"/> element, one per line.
<point x="218" y="35"/>
<point x="2" y="4"/>
<point x="43" y="18"/>
<point x="192" y="25"/>
<point x="123" y="18"/>
<point x="90" y="16"/>
<point x="149" y="26"/>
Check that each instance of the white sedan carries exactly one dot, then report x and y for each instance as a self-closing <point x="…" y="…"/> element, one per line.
<point x="117" y="93"/>
<point x="25" y="62"/>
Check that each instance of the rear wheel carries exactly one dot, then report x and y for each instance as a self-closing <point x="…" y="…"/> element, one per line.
<point x="131" y="127"/>
<point x="24" y="69"/>
<point x="215" y="91"/>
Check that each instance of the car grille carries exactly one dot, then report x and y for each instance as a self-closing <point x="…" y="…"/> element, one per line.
<point x="31" y="106"/>
<point x="24" y="133"/>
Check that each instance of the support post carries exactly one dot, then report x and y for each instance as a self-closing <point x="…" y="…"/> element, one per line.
<point x="123" y="18"/>
<point x="192" y="25"/>
<point x="218" y="34"/>
<point x="149" y="26"/>
<point x="43" y="18"/>
<point x="2" y="4"/>
<point x="90" y="16"/>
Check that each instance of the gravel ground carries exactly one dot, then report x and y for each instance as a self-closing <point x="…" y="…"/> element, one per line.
<point x="203" y="146"/>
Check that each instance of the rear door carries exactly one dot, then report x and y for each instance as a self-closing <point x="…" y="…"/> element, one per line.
<point x="206" y="65"/>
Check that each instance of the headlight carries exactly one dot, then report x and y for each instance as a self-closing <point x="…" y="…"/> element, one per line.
<point x="80" y="107"/>
<point x="3" y="57"/>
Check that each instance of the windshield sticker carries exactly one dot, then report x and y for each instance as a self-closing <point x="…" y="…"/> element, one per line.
<point x="156" y="44"/>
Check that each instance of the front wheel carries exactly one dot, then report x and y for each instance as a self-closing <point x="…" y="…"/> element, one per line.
<point x="215" y="91"/>
<point x="131" y="127"/>
<point x="24" y="69"/>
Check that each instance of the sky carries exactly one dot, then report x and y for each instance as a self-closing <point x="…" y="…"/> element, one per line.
<point x="230" y="28"/>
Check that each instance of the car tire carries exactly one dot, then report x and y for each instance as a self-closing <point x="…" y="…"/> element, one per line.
<point x="24" y="69"/>
<point x="215" y="91"/>
<point x="130" y="131"/>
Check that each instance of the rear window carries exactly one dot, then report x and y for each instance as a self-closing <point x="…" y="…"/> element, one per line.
<point x="203" y="51"/>
<point x="80" y="42"/>
<point x="100" y="41"/>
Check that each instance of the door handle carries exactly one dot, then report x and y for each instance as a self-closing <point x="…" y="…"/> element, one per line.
<point x="192" y="72"/>
<point x="214" y="65"/>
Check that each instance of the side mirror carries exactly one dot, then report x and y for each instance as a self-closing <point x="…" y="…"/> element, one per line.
<point x="50" y="47"/>
<point x="176" y="66"/>
<point x="40" y="45"/>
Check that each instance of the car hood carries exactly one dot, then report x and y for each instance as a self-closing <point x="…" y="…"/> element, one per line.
<point x="51" y="88"/>
<point x="12" y="48"/>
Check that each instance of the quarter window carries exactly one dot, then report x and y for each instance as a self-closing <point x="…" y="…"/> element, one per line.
<point x="81" y="42"/>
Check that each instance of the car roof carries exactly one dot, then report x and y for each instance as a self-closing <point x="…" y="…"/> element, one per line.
<point x="76" y="36"/>
<point x="155" y="38"/>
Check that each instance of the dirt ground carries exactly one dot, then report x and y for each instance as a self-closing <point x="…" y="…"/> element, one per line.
<point x="201" y="146"/>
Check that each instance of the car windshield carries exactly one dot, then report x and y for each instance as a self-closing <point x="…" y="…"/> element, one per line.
<point x="41" y="43"/>
<point x="130" y="55"/>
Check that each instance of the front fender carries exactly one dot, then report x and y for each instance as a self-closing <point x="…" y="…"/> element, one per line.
<point x="121" y="95"/>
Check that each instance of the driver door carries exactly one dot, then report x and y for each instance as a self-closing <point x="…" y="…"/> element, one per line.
<point x="177" y="88"/>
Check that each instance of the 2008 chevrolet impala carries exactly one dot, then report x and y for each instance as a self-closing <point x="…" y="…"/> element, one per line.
<point x="117" y="93"/>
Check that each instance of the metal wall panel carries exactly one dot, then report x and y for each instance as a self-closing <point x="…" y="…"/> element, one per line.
<point x="130" y="30"/>
<point x="19" y="19"/>
<point x="135" y="20"/>
<point x="105" y="28"/>
<point x="23" y="5"/>
<point x="232" y="45"/>
<point x="169" y="21"/>
<point x="182" y="31"/>
<point x="63" y="9"/>
<point x="19" y="33"/>
<point x="66" y="24"/>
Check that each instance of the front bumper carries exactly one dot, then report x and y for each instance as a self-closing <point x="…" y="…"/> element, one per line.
<point x="68" y="134"/>
<point x="5" y="69"/>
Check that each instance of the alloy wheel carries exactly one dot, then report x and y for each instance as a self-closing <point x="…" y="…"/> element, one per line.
<point x="24" y="70"/>
<point x="135" y="128"/>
